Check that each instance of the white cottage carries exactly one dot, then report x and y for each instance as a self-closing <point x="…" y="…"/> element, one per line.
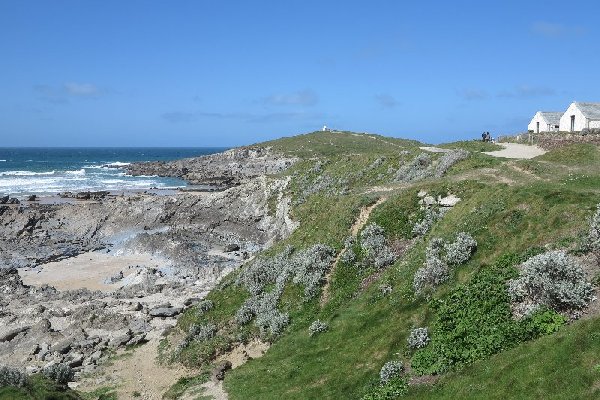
<point x="579" y="116"/>
<point x="544" y="121"/>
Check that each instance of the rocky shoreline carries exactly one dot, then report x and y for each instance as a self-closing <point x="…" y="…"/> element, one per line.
<point x="150" y="255"/>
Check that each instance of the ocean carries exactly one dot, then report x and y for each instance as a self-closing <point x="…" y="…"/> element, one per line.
<point x="48" y="171"/>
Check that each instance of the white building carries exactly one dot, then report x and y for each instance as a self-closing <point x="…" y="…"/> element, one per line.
<point x="579" y="116"/>
<point x="545" y="121"/>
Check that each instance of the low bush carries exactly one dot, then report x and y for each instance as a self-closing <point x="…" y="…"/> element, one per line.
<point x="423" y="166"/>
<point x="59" y="373"/>
<point x="430" y="217"/>
<point x="440" y="257"/>
<point x="204" y="306"/>
<point x="552" y="280"/>
<point x="12" y="377"/>
<point x="418" y="338"/>
<point x="374" y="247"/>
<point x="317" y="327"/>
<point x="390" y="370"/>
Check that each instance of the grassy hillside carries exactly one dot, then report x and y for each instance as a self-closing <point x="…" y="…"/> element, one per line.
<point x="338" y="299"/>
<point x="513" y="209"/>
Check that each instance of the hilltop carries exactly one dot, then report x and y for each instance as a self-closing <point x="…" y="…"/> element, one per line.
<point x="398" y="255"/>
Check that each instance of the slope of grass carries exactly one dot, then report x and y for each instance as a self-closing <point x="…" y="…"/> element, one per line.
<point x="367" y="326"/>
<point x="565" y="365"/>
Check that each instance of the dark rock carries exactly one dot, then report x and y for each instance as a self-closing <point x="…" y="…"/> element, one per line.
<point x="231" y="247"/>
<point x="63" y="346"/>
<point x="4" y="199"/>
<point x="191" y="301"/>
<point x="33" y="197"/>
<point x="120" y="340"/>
<point x="137" y="339"/>
<point x="76" y="360"/>
<point x="218" y="373"/>
<point x="12" y="333"/>
<point x="165" y="311"/>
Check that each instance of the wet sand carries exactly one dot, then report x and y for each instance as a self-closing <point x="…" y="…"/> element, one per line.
<point x="87" y="270"/>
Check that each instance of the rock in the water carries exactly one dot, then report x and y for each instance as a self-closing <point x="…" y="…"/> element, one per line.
<point x="165" y="311"/>
<point x="218" y="373"/>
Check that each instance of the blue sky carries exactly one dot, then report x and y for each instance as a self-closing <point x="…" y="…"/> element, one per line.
<point x="224" y="73"/>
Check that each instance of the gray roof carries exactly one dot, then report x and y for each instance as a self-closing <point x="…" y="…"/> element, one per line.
<point x="589" y="110"/>
<point x="551" y="117"/>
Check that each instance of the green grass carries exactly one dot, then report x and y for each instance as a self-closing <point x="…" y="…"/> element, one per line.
<point x="575" y="155"/>
<point x="339" y="143"/>
<point x="102" y="393"/>
<point x="38" y="388"/>
<point x="564" y="365"/>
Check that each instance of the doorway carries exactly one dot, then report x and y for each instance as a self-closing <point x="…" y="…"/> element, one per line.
<point x="538" y="127"/>
<point x="572" y="123"/>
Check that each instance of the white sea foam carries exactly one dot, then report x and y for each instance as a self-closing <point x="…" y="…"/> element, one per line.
<point x="78" y="172"/>
<point x="2" y="160"/>
<point x="25" y="173"/>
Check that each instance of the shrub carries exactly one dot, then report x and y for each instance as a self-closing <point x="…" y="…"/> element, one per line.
<point x="448" y="160"/>
<point x="202" y="332"/>
<point x="422" y="166"/>
<point x="374" y="247"/>
<point x="310" y="266"/>
<point x="12" y="377"/>
<point x="439" y="257"/>
<point x="317" y="327"/>
<point x="390" y="370"/>
<point x="459" y="251"/>
<point x="551" y="279"/>
<point x="416" y="170"/>
<point x="430" y="217"/>
<point x="59" y="373"/>
<point x="204" y="306"/>
<point x="433" y="273"/>
<point x="418" y="338"/>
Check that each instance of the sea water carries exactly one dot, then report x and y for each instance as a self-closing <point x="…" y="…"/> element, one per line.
<point x="48" y="171"/>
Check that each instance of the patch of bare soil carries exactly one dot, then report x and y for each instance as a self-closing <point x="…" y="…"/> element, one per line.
<point x="138" y="376"/>
<point x="517" y="150"/>
<point x="238" y="356"/>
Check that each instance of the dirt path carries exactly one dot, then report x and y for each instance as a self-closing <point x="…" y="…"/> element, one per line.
<point x="516" y="150"/>
<point x="360" y="222"/>
<point x="138" y="375"/>
<point x="238" y="356"/>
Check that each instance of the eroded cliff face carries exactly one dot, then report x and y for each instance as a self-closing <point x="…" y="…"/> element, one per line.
<point x="100" y="274"/>
<point x="224" y="169"/>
